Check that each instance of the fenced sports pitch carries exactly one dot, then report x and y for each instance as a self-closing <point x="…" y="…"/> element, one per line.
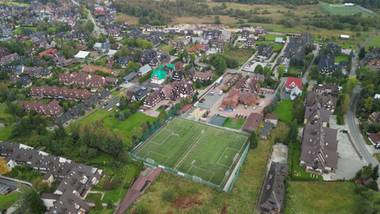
<point x="204" y="153"/>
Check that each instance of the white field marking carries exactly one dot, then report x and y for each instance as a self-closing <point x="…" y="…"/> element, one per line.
<point x="150" y="153"/>
<point x="187" y="152"/>
<point x="222" y="156"/>
<point x="211" y="173"/>
<point x="229" y="168"/>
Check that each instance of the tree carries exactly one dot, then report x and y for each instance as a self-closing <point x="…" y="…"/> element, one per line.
<point x="30" y="202"/>
<point x="299" y="110"/>
<point x="292" y="134"/>
<point x="86" y="27"/>
<point x="253" y="141"/>
<point x="217" y="20"/>
<point x="362" y="53"/>
<point x="219" y="64"/>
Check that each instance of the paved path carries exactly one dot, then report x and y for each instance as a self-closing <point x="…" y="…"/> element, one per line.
<point x="308" y="70"/>
<point x="355" y="132"/>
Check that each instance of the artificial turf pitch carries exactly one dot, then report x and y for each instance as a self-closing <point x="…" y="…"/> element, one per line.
<point x="195" y="148"/>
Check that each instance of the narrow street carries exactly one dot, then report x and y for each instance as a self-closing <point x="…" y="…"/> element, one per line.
<point x="355" y="132"/>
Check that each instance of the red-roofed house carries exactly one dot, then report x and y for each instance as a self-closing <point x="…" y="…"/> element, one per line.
<point x="52" y="52"/>
<point x="374" y="138"/>
<point x="253" y="122"/>
<point x="293" y="87"/>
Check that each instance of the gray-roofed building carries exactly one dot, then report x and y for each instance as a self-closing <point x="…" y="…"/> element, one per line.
<point x="144" y="70"/>
<point x="273" y="195"/>
<point x="266" y="130"/>
<point x="319" y="148"/>
<point x="75" y="179"/>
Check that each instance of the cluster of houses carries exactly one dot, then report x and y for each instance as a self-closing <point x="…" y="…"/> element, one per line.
<point x="244" y="92"/>
<point x="319" y="142"/>
<point x="327" y="59"/>
<point x="372" y="59"/>
<point x="85" y="80"/>
<point x="75" y="180"/>
<point x="54" y="92"/>
<point x="246" y="37"/>
<point x="172" y="91"/>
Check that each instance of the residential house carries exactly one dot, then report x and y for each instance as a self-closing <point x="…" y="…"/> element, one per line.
<point x="84" y="80"/>
<point x="7" y="59"/>
<point x="266" y="130"/>
<point x="374" y="117"/>
<point x="144" y="70"/>
<point x="265" y="51"/>
<point x="203" y="76"/>
<point x="271" y="118"/>
<point x="75" y="179"/>
<point x="158" y="76"/>
<point x="140" y="94"/>
<point x="326" y="64"/>
<point x="52" y="109"/>
<point x="319" y="148"/>
<point x="253" y="122"/>
<point x="297" y="46"/>
<point x="129" y="77"/>
<point x="374" y="138"/>
<point x="293" y="87"/>
<point x="53" y="92"/>
<point x="274" y="189"/>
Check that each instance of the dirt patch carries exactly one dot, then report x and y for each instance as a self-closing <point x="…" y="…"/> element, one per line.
<point x="224" y="210"/>
<point x="187" y="202"/>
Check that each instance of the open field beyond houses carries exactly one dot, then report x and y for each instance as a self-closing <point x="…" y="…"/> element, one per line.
<point x="195" y="149"/>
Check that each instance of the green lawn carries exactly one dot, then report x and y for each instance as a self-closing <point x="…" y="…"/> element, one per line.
<point x="132" y="126"/>
<point x="241" y="55"/>
<point x="341" y="58"/>
<point x="93" y="197"/>
<point x="342" y="10"/>
<point x="295" y="71"/>
<point x="374" y="41"/>
<point x="123" y="177"/>
<point x="284" y="111"/>
<point x="7" y="121"/>
<point x="320" y="197"/>
<point x="242" y="198"/>
<point x="297" y="172"/>
<point x="194" y="148"/>
<point x="234" y="123"/>
<point x="7" y="200"/>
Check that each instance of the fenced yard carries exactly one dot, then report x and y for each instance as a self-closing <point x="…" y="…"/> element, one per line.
<point x="206" y="153"/>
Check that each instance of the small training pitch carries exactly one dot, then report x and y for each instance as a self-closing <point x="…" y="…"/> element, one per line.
<point x="194" y="148"/>
<point x="345" y="10"/>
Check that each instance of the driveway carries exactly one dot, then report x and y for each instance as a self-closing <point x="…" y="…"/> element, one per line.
<point x="349" y="161"/>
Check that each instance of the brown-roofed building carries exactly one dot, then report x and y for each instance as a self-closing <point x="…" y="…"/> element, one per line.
<point x="84" y="80"/>
<point x="52" y="109"/>
<point x="374" y="138"/>
<point x="202" y="76"/>
<point x="247" y="98"/>
<point x="253" y="122"/>
<point x="231" y="100"/>
<point x="375" y="117"/>
<point x="319" y="148"/>
<point x="51" y="52"/>
<point x="60" y="93"/>
<point x="271" y="118"/>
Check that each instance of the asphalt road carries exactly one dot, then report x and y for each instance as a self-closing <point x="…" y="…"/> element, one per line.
<point x="355" y="132"/>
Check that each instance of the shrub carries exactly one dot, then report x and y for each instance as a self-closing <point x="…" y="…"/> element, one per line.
<point x="168" y="196"/>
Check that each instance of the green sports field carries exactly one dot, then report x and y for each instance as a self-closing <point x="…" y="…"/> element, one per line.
<point x="342" y="10"/>
<point x="195" y="148"/>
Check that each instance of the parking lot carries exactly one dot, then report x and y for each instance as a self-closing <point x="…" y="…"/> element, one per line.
<point x="349" y="162"/>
